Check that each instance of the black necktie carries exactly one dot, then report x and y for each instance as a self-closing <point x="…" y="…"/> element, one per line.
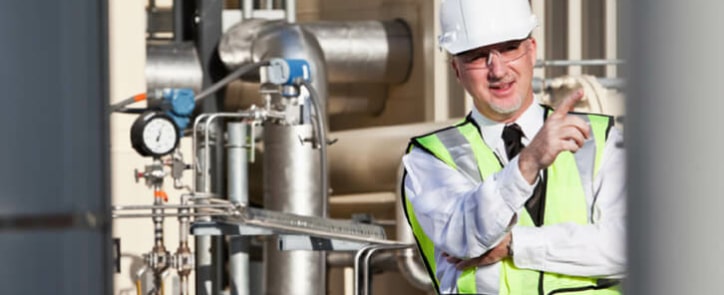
<point x="512" y="135"/>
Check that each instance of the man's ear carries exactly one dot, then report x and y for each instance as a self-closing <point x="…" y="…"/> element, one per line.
<point x="454" y="65"/>
<point x="534" y="49"/>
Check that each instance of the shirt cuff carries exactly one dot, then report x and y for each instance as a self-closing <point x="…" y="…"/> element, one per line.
<point x="529" y="249"/>
<point x="515" y="189"/>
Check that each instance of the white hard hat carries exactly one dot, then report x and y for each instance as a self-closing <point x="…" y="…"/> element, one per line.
<point x="469" y="24"/>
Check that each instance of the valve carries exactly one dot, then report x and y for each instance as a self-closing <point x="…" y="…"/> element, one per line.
<point x="153" y="174"/>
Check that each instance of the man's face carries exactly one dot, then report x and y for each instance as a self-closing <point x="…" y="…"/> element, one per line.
<point x="499" y="77"/>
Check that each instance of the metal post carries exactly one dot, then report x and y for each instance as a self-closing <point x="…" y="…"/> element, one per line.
<point x="238" y="193"/>
<point x="674" y="146"/>
<point x="290" y="11"/>
<point x="208" y="28"/>
<point x="202" y="243"/>
<point x="56" y="197"/>
<point x="248" y="9"/>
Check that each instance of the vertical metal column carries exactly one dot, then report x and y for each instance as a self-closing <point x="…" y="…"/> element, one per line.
<point x="203" y="271"/>
<point x="575" y="26"/>
<point x="292" y="184"/>
<point x="207" y="15"/>
<point x="674" y="142"/>
<point x="238" y="193"/>
<point x="55" y="225"/>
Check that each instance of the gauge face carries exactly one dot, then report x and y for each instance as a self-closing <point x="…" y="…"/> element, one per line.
<point x="154" y="134"/>
<point x="159" y="136"/>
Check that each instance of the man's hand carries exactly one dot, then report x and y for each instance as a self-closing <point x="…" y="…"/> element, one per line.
<point x="492" y="256"/>
<point x="560" y="132"/>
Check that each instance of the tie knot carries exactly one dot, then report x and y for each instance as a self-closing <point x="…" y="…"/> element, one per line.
<point x="512" y="135"/>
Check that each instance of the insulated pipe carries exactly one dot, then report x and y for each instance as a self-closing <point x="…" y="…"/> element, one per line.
<point x="354" y="52"/>
<point x="291" y="173"/>
<point x="173" y="65"/>
<point x="238" y="189"/>
<point x="291" y="184"/>
<point x="366" y="160"/>
<point x="408" y="260"/>
<point x="365" y="51"/>
<point x="292" y="42"/>
<point x="363" y="160"/>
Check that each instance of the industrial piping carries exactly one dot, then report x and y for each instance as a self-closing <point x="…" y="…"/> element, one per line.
<point x="354" y="52"/>
<point x="292" y="169"/>
<point x="173" y="65"/>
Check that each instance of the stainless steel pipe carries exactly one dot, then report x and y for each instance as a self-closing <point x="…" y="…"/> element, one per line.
<point x="173" y="65"/>
<point x="366" y="160"/>
<point x="343" y="99"/>
<point x="291" y="184"/>
<point x="363" y="160"/>
<point x="408" y="260"/>
<point x="354" y="52"/>
<point x="365" y="51"/>
<point x="238" y="189"/>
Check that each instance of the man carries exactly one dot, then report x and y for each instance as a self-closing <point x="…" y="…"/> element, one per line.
<point x="517" y="198"/>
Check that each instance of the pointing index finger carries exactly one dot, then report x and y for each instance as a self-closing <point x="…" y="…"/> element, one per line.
<point x="567" y="104"/>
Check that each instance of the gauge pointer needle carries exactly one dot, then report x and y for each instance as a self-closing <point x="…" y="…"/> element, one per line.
<point x="158" y="138"/>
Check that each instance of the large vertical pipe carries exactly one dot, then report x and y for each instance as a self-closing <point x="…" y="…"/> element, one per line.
<point x="208" y="29"/>
<point x="675" y="143"/>
<point x="292" y="169"/>
<point x="55" y="226"/>
<point x="238" y="187"/>
<point x="292" y="184"/>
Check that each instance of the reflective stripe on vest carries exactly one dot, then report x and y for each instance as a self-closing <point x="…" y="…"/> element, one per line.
<point x="462" y="148"/>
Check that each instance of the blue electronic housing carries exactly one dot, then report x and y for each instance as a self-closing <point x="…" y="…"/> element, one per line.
<point x="287" y="71"/>
<point x="181" y="104"/>
<point x="298" y="68"/>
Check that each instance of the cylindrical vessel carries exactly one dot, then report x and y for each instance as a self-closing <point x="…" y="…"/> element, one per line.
<point x="238" y="188"/>
<point x="173" y="65"/>
<point x="292" y="185"/>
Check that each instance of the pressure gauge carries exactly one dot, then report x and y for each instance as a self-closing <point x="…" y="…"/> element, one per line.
<point x="154" y="134"/>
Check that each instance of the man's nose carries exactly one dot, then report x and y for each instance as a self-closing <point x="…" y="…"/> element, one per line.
<point x="496" y="66"/>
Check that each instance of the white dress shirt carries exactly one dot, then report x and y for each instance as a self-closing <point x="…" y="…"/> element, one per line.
<point x="465" y="219"/>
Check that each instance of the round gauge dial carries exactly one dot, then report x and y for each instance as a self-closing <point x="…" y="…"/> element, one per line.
<point x="154" y="134"/>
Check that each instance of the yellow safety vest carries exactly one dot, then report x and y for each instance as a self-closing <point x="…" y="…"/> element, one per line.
<point x="462" y="148"/>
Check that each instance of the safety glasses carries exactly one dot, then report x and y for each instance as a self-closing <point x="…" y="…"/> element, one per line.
<point x="506" y="52"/>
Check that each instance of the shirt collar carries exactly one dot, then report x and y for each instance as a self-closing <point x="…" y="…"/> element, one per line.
<point x="530" y="122"/>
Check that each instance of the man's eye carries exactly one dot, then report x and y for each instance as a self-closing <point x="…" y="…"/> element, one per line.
<point x="512" y="47"/>
<point x="478" y="57"/>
